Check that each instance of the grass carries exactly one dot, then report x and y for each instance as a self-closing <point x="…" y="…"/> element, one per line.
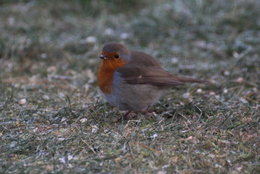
<point x="52" y="119"/>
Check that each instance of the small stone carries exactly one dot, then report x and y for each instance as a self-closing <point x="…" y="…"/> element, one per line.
<point x="240" y="80"/>
<point x="83" y="120"/>
<point x="174" y="60"/>
<point x="12" y="144"/>
<point x="62" y="160"/>
<point x="225" y="90"/>
<point x="236" y="55"/>
<point x="51" y="69"/>
<point x="61" y="94"/>
<point x="43" y="55"/>
<point x="11" y="21"/>
<point x="239" y="168"/>
<point x="199" y="91"/>
<point x="46" y="97"/>
<point x="94" y="129"/>
<point x="35" y="129"/>
<point x="22" y="101"/>
<point x="63" y="119"/>
<point x="243" y="100"/>
<point x="212" y="93"/>
<point x="124" y="36"/>
<point x="86" y="87"/>
<point x="91" y="39"/>
<point x="154" y="136"/>
<point x="70" y="157"/>
<point x="90" y="75"/>
<point x="186" y="95"/>
<point x="213" y="81"/>
<point x="189" y="138"/>
<point x="226" y="73"/>
<point x="109" y="31"/>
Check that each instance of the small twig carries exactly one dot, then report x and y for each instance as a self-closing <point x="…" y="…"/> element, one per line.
<point x="91" y="148"/>
<point x="200" y="114"/>
<point x="148" y="148"/>
<point x="60" y="77"/>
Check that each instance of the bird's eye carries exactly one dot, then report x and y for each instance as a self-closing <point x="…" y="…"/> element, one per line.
<point x="116" y="56"/>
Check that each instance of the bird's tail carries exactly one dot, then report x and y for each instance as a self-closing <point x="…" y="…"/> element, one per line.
<point x="191" y="80"/>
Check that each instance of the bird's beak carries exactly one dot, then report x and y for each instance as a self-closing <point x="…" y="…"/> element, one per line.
<point x="102" y="56"/>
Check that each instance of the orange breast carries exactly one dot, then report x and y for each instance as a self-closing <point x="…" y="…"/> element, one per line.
<point x="105" y="73"/>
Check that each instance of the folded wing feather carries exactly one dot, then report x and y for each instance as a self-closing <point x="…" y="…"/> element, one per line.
<point x="152" y="75"/>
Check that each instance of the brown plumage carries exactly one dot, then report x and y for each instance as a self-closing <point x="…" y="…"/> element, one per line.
<point x="132" y="80"/>
<point x="144" y="69"/>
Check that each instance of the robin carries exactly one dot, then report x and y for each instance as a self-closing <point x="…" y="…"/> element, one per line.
<point x="133" y="80"/>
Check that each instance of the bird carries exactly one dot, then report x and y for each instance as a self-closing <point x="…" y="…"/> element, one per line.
<point x="133" y="81"/>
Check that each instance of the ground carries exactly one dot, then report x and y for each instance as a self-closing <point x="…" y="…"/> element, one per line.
<point x="52" y="119"/>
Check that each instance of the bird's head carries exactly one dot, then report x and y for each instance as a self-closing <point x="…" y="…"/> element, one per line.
<point x="112" y="51"/>
<point x="114" y="55"/>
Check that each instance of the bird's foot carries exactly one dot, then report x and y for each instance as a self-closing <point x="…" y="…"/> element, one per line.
<point x="127" y="116"/>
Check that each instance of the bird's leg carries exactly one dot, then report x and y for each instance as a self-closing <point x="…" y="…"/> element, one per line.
<point x="149" y="113"/>
<point x="125" y="117"/>
<point x="148" y="110"/>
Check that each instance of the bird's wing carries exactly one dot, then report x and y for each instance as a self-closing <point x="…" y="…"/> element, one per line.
<point x="144" y="69"/>
<point x="152" y="75"/>
<point x="142" y="59"/>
